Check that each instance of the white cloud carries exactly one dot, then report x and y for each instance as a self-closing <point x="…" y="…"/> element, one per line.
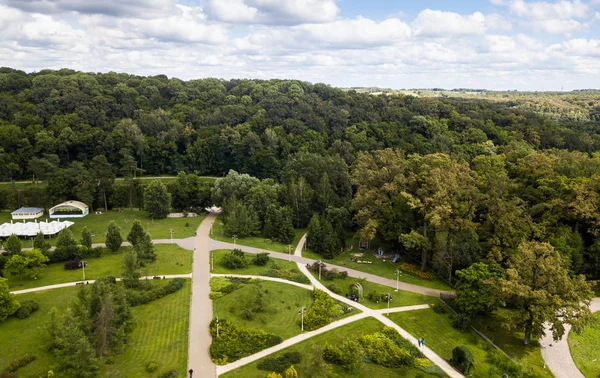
<point x="556" y="26"/>
<point x="541" y="10"/>
<point x="273" y="12"/>
<point x="117" y="8"/>
<point x="435" y="23"/>
<point x="583" y="47"/>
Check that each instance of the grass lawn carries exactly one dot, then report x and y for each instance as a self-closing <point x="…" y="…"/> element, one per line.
<point x="378" y="267"/>
<point x="585" y="350"/>
<point x="336" y="336"/>
<point x="280" y="302"/>
<point x="401" y="298"/>
<point x="118" y="181"/>
<point x="441" y="337"/>
<point x="160" y="334"/>
<point x="251" y="269"/>
<point x="261" y="242"/>
<point x="171" y="259"/>
<point x="529" y="357"/>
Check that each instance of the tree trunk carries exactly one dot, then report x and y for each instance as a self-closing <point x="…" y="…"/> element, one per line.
<point x="131" y="197"/>
<point x="424" y="251"/>
<point x="105" y="202"/>
<point x="528" y="331"/>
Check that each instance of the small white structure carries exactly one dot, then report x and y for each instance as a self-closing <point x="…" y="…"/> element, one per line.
<point x="69" y="209"/>
<point x="27" y="213"/>
<point x="31" y="229"/>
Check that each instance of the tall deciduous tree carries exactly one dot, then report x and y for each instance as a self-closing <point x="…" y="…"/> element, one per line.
<point x="157" y="200"/>
<point x="104" y="175"/>
<point x="13" y="244"/>
<point x="113" y="237"/>
<point x="477" y="289"/>
<point x="539" y="287"/>
<point x="30" y="263"/>
<point x="86" y="238"/>
<point x="8" y="302"/>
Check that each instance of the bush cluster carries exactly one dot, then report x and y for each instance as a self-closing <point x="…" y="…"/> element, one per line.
<point x="261" y="259"/>
<point x="327" y="274"/>
<point x="236" y="342"/>
<point x="20" y="362"/>
<point x="383" y="351"/>
<point x="287" y="274"/>
<point x="463" y="359"/>
<point x="323" y="310"/>
<point x="440" y="308"/>
<point x="461" y="321"/>
<point x="504" y="365"/>
<point x="411" y="268"/>
<point x="72" y="264"/>
<point x="151" y="367"/>
<point x="348" y="354"/>
<point x="234" y="260"/>
<point x="169" y="374"/>
<point x="27" y="308"/>
<point x="139" y="297"/>
<point x="220" y="286"/>
<point x="281" y="363"/>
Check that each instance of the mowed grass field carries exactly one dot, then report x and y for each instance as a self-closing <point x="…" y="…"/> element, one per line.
<point x="171" y="259"/>
<point x="439" y="335"/>
<point x="400" y="298"/>
<point x="252" y="269"/>
<point x="160" y="334"/>
<point x="281" y="303"/>
<point x="585" y="348"/>
<point x="261" y="242"/>
<point x="333" y="337"/>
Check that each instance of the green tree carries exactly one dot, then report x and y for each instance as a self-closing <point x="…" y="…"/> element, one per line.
<point x="278" y="224"/>
<point x="130" y="265"/>
<point x="30" y="263"/>
<point x="40" y="242"/>
<point x="86" y="238"/>
<point x="13" y="245"/>
<point x="113" y="237"/>
<point x="477" y="289"/>
<point x="239" y="219"/>
<point x="66" y="246"/>
<point x="539" y="289"/>
<point x="146" y="252"/>
<point x="317" y="365"/>
<point x="103" y="172"/>
<point x="129" y="170"/>
<point x="136" y="234"/>
<point x="8" y="303"/>
<point x="233" y="185"/>
<point x="157" y="200"/>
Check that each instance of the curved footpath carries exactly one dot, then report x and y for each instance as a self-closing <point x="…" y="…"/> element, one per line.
<point x="557" y="354"/>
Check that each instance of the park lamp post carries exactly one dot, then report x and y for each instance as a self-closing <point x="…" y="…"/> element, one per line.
<point x="389" y="298"/>
<point x="302" y="311"/>
<point x="289" y="252"/>
<point x="171" y="231"/>
<point x="217" y="326"/>
<point x="398" y="274"/>
<point x="234" y="237"/>
<point x="212" y="261"/>
<point x="319" y="262"/>
<point x="82" y="264"/>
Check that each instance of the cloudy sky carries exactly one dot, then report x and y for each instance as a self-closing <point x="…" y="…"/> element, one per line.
<point x="495" y="44"/>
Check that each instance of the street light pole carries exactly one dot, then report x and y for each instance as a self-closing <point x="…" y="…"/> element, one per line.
<point x="234" y="239"/>
<point x="82" y="265"/>
<point x="217" y="326"/>
<point x="302" y="310"/>
<point x="289" y="252"/>
<point x="389" y="298"/>
<point x="398" y="274"/>
<point x="319" y="262"/>
<point x="171" y="231"/>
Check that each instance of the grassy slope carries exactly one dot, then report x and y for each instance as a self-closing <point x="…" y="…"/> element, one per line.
<point x="281" y="303"/>
<point x="255" y="241"/>
<point x="401" y="298"/>
<point x="251" y="269"/>
<point x="585" y="350"/>
<point x="171" y="259"/>
<point x="441" y="337"/>
<point x="355" y="329"/>
<point x="160" y="334"/>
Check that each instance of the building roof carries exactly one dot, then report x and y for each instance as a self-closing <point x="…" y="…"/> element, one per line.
<point x="27" y="210"/>
<point x="80" y="205"/>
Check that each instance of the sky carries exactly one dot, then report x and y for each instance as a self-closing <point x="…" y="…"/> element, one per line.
<point x="491" y="44"/>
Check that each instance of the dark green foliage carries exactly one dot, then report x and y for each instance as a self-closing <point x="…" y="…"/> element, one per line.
<point x="27" y="308"/>
<point x="239" y="219"/>
<point x="348" y="354"/>
<point x="400" y="341"/>
<point x="281" y="363"/>
<point x="136" y="234"/>
<point x="236" y="342"/>
<point x="169" y="374"/>
<point x="463" y="359"/>
<point x="140" y="297"/>
<point x="440" y="308"/>
<point x="290" y="275"/>
<point x="461" y="321"/>
<point x="20" y="362"/>
<point x="67" y="248"/>
<point x="477" y="289"/>
<point x="321" y="238"/>
<point x="86" y="238"/>
<point x="73" y="264"/>
<point x="13" y="244"/>
<point x="260" y="259"/>
<point x="234" y="259"/>
<point x="157" y="200"/>
<point x="40" y="242"/>
<point x="145" y="250"/>
<point x="113" y="237"/>
<point x="278" y="224"/>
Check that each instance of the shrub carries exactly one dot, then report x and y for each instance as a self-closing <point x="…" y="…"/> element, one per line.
<point x="235" y="342"/>
<point x="393" y="335"/>
<point x="323" y="310"/>
<point x="440" y="308"/>
<point x="422" y="363"/>
<point x="169" y="374"/>
<point x="383" y="351"/>
<point x="97" y="251"/>
<point x="334" y="288"/>
<point x="435" y="370"/>
<point x="349" y="354"/>
<point x="281" y="363"/>
<point x="234" y="260"/>
<point x="137" y="297"/>
<point x="151" y="367"/>
<point x="26" y="309"/>
<point x="260" y="259"/>
<point x="461" y="321"/>
<point x="503" y="364"/>
<point x="463" y="359"/>
<point x="20" y="362"/>
<point x="287" y="274"/>
<point x="72" y="264"/>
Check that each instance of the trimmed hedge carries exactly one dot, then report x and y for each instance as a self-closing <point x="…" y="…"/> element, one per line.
<point x="73" y="264"/>
<point x="137" y="297"/>
<point x="27" y="308"/>
<point x="20" y="362"/>
<point x="281" y="363"/>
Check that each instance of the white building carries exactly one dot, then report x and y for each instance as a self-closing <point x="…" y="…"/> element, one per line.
<point x="69" y="209"/>
<point x="27" y="213"/>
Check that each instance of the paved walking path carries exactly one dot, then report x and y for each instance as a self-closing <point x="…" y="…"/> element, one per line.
<point x="199" y="338"/>
<point x="557" y="354"/>
<point x="215" y="244"/>
<point x="75" y="283"/>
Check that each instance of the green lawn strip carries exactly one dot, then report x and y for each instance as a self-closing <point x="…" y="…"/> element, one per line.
<point x="251" y="269"/>
<point x="336" y="336"/>
<point x="171" y="259"/>
<point x="400" y="298"/>
<point x="378" y="267"/>
<point x="160" y="335"/>
<point x="511" y="342"/>
<point x="261" y="242"/>
<point x="584" y="348"/>
<point x="281" y="303"/>
<point x="119" y="181"/>
<point x="19" y="337"/>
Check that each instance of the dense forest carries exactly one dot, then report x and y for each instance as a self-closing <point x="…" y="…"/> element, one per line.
<point x="450" y="181"/>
